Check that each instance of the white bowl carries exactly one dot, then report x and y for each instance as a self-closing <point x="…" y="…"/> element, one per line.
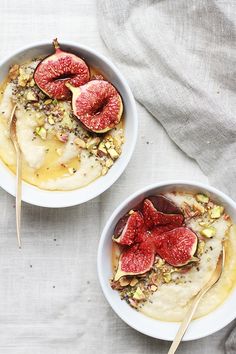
<point x="58" y="199"/>
<point x="199" y="328"/>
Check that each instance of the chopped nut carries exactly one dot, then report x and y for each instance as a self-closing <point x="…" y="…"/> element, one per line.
<point x="167" y="277"/>
<point x="124" y="281"/>
<point x="102" y="149"/>
<point x="80" y="143"/>
<point x="48" y="101"/>
<point x="159" y="263"/>
<point x="153" y="288"/>
<point x="138" y="295"/>
<point x="113" y="153"/>
<point x="91" y="143"/>
<point x="199" y="207"/>
<point x="131" y="212"/>
<point x="133" y="303"/>
<point x="31" y="83"/>
<point x="200" y="248"/>
<point x="216" y="212"/>
<point x="208" y="232"/>
<point x="14" y="72"/>
<point x="51" y="120"/>
<point x="133" y="282"/>
<point x="109" y="163"/>
<point x="31" y="96"/>
<point x="41" y="131"/>
<point x="104" y="170"/>
<point x="202" y="198"/>
<point x="23" y="78"/>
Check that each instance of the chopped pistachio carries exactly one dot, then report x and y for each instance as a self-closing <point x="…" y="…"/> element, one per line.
<point x="208" y="232"/>
<point x="31" y="96"/>
<point x="104" y="170"/>
<point x="41" y="131"/>
<point x="216" y="211"/>
<point x="102" y="149"/>
<point x="200" y="248"/>
<point x="203" y="223"/>
<point x="51" y="120"/>
<point x="113" y="153"/>
<point x="31" y="83"/>
<point x="80" y="143"/>
<point x="108" y="145"/>
<point x="91" y="143"/>
<point x="109" y="163"/>
<point x="48" y="101"/>
<point x="202" y="198"/>
<point x="167" y="277"/>
<point x="199" y="207"/>
<point x="138" y="295"/>
<point x="159" y="263"/>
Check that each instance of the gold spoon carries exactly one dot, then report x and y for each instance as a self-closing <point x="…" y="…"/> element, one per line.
<point x="189" y="315"/>
<point x="12" y="123"/>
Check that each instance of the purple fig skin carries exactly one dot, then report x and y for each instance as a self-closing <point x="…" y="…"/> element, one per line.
<point x="164" y="205"/>
<point x="121" y="225"/>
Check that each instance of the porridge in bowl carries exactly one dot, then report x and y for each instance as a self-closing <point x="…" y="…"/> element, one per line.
<point x="166" y="248"/>
<point x="70" y="124"/>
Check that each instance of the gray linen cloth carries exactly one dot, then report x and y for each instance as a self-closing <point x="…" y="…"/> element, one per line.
<point x="179" y="58"/>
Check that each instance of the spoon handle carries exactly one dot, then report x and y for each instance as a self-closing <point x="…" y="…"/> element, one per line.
<point x="187" y="319"/>
<point x="18" y="194"/>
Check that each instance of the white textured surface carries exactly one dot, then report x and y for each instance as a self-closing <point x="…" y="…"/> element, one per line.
<point x="50" y="299"/>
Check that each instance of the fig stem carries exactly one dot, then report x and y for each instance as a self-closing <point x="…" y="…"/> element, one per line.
<point x="56" y="44"/>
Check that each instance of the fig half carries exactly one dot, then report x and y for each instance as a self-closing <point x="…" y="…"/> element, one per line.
<point x="97" y="105"/>
<point x="53" y="72"/>
<point x="137" y="259"/>
<point x="128" y="228"/>
<point x="177" y="247"/>
<point x="154" y="217"/>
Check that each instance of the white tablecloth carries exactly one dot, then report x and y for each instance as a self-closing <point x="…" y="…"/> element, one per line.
<point x="50" y="298"/>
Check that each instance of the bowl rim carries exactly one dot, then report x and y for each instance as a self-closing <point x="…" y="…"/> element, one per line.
<point x="62" y="199"/>
<point x="144" y="329"/>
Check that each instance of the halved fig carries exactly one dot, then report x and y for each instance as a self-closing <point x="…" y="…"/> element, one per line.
<point x="128" y="228"/>
<point x="53" y="72"/>
<point x="177" y="247"/>
<point x="137" y="259"/>
<point x="154" y="217"/>
<point x="97" y="105"/>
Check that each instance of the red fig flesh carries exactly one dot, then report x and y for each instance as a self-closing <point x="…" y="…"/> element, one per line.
<point x="153" y="217"/>
<point x="177" y="247"/>
<point x="97" y="105"/>
<point x="128" y="228"/>
<point x="53" y="72"/>
<point x="137" y="259"/>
